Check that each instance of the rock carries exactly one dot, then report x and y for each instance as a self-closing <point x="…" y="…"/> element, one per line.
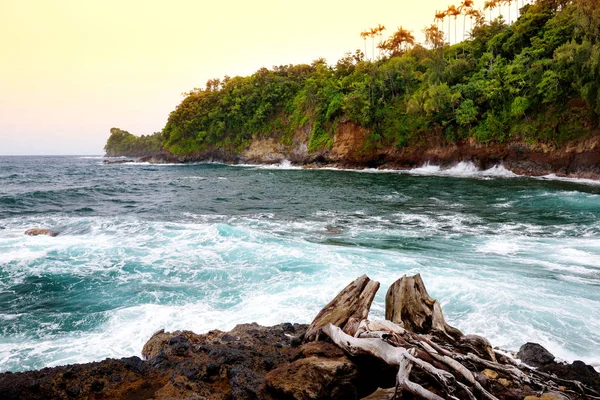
<point x="314" y="378"/>
<point x="174" y="340"/>
<point x="490" y="374"/>
<point x="182" y="365"/>
<point x="381" y="394"/>
<point x="548" y="396"/>
<point x="40" y="231"/>
<point x="504" y="382"/>
<point x="118" y="161"/>
<point x="578" y="370"/>
<point x="535" y="355"/>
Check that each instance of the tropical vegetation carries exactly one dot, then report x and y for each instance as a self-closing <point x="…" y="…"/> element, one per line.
<point x="536" y="79"/>
<point x="123" y="143"/>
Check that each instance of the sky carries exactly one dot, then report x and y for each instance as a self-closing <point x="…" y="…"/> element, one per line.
<point x="72" y="69"/>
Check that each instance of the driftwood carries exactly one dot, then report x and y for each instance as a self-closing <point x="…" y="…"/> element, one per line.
<point x="435" y="361"/>
<point x="407" y="303"/>
<point x="348" y="308"/>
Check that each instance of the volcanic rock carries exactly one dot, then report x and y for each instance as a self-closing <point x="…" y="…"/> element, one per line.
<point x="535" y="355"/>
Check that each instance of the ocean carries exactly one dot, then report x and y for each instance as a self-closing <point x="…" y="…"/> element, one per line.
<point x="206" y="246"/>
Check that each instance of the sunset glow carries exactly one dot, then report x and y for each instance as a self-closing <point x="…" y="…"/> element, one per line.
<point x="72" y="69"/>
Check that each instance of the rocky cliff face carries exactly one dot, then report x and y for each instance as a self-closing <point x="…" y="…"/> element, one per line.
<point x="352" y="149"/>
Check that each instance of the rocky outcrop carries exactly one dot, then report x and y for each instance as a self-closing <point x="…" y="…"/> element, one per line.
<point x="40" y="231"/>
<point x="111" y="162"/>
<point x="352" y="148"/>
<point x="535" y="355"/>
<point x="375" y="361"/>
<point x="180" y="365"/>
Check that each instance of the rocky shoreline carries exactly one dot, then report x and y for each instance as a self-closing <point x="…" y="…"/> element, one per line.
<point x="575" y="159"/>
<point x="294" y="361"/>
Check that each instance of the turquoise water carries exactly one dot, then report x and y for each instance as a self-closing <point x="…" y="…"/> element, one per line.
<point x="145" y="247"/>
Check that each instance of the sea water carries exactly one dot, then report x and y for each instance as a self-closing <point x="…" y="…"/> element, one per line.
<point x="145" y="247"/>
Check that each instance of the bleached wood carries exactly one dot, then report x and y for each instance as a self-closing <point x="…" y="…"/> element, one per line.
<point x="408" y="303"/>
<point x="353" y="302"/>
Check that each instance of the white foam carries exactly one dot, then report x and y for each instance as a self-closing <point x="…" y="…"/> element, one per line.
<point x="463" y="169"/>
<point x="554" y="177"/>
<point x="283" y="165"/>
<point x="239" y="264"/>
<point x="502" y="246"/>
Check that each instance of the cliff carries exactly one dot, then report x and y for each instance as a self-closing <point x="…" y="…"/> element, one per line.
<point x="352" y="148"/>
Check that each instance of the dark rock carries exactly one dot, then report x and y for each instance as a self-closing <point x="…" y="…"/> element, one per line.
<point x="73" y="391"/>
<point x="160" y="361"/>
<point x="578" y="370"/>
<point x="212" y="369"/>
<point x="245" y="383"/>
<point x="133" y="363"/>
<point x="229" y="356"/>
<point x="179" y="345"/>
<point x="97" y="386"/>
<point x="535" y="355"/>
<point x="117" y="161"/>
<point x="288" y="327"/>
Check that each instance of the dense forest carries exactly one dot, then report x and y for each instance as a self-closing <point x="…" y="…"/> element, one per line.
<point x="478" y="77"/>
<point x="123" y="143"/>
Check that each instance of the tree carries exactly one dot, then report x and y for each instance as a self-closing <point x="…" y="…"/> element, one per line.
<point x="439" y="17"/>
<point x="490" y="5"/>
<point x="380" y="28"/>
<point x="508" y="2"/>
<point x="364" y="35"/>
<point x="464" y="8"/>
<point x="372" y="33"/>
<point x="434" y="36"/>
<point x="398" y="42"/>
<point x="452" y="11"/>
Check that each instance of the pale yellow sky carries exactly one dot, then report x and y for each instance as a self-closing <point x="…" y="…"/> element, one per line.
<point x="72" y="69"/>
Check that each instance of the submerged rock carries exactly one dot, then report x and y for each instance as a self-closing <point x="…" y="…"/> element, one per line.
<point x="40" y="231"/>
<point x="118" y="161"/>
<point x="535" y="355"/>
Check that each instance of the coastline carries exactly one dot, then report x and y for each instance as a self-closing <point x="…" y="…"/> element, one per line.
<point x="577" y="159"/>
<point x="287" y="361"/>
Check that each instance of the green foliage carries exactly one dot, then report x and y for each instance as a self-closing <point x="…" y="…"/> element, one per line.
<point x="123" y="143"/>
<point x="467" y="113"/>
<point x="507" y="81"/>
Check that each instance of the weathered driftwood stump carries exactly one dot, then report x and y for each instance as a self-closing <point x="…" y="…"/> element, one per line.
<point x="348" y="308"/>
<point x="408" y="304"/>
<point x="435" y="361"/>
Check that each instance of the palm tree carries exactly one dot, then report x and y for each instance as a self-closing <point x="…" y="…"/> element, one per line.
<point x="439" y="17"/>
<point x="398" y="42"/>
<point x="489" y="5"/>
<point x="364" y="35"/>
<point x="380" y="28"/>
<point x="476" y="15"/>
<point x="464" y="8"/>
<point x="452" y="11"/>
<point x="372" y="34"/>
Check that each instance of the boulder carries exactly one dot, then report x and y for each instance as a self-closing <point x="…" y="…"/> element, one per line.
<point x="40" y="231"/>
<point x="578" y="370"/>
<point x="314" y="378"/>
<point x="535" y="355"/>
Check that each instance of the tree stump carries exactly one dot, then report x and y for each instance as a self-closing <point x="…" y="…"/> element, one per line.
<point x="408" y="304"/>
<point x="350" y="305"/>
